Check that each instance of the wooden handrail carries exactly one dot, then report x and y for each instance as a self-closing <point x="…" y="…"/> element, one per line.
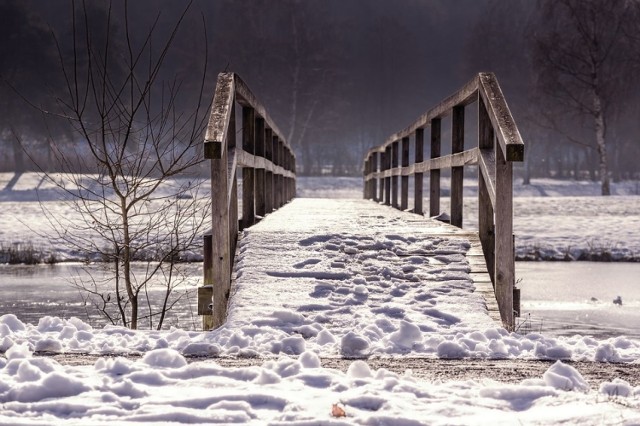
<point x="498" y="145"/>
<point x="269" y="181"/>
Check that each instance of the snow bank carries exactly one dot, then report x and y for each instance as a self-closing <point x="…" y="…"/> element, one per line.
<point x="162" y="387"/>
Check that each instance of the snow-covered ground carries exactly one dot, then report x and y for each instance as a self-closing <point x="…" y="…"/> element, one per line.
<point x="373" y="293"/>
<point x="553" y="219"/>
<point x="162" y="388"/>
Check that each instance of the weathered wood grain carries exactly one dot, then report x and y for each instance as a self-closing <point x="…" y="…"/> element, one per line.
<point x="501" y="118"/>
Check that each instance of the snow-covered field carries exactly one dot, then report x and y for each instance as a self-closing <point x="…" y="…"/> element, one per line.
<point x="553" y="220"/>
<point x="361" y="295"/>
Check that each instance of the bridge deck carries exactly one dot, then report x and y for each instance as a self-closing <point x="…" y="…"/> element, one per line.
<point x="354" y="277"/>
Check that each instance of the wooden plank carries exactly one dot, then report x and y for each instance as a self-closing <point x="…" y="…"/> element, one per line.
<point x="404" y="181"/>
<point x="434" y="179"/>
<point x="221" y="112"/>
<point x="457" y="172"/>
<point x="487" y="168"/>
<point x="248" y="174"/>
<point x="244" y="159"/>
<point x="503" y="123"/>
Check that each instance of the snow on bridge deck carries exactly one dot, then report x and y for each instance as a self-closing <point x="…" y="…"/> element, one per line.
<point x="354" y="278"/>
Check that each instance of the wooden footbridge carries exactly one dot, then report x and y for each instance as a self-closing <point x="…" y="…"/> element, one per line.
<point x="265" y="164"/>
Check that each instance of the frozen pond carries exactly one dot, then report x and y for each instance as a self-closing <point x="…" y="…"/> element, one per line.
<point x="567" y="298"/>
<point x="558" y="298"/>
<point x="30" y="292"/>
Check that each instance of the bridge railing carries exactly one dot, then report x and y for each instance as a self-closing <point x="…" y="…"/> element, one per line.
<point x="268" y="182"/>
<point x="498" y="144"/>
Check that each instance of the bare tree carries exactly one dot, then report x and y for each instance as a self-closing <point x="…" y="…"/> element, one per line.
<point x="140" y="205"/>
<point x="581" y="60"/>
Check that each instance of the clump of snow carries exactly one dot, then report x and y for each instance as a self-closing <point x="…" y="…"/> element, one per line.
<point x="616" y="387"/>
<point x="164" y="358"/>
<point x="565" y="377"/>
<point x="354" y="345"/>
<point x="10" y="323"/>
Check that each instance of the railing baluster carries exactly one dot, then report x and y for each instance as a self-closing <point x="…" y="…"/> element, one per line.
<point x="434" y="178"/>
<point x="457" y="173"/>
<point x="419" y="177"/>
<point x="374" y="181"/>
<point x="387" y="180"/>
<point x="268" y="184"/>
<point x="248" y="173"/>
<point x="259" y="171"/>
<point x="394" y="179"/>
<point x="404" y="194"/>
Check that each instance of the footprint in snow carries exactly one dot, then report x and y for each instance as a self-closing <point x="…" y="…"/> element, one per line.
<point x="440" y="317"/>
<point x="306" y="262"/>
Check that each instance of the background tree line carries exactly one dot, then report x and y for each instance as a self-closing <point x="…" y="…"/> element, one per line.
<point x="339" y="77"/>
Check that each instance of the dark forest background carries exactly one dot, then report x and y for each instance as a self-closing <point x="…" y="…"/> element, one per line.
<point x="340" y="76"/>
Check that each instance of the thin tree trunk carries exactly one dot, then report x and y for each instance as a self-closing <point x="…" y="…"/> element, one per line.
<point x="126" y="265"/>
<point x="602" y="143"/>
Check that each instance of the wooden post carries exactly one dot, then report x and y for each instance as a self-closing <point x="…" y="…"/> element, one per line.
<point x="205" y="296"/>
<point x="505" y="266"/>
<point x="457" y="173"/>
<point x="248" y="174"/>
<point x="434" y="179"/>
<point x="374" y="181"/>
<point x="395" y="156"/>
<point x="268" y="185"/>
<point x="221" y="255"/>
<point x="365" y="171"/>
<point x="381" y="158"/>
<point x="260" y="174"/>
<point x="419" y="177"/>
<point x="404" y="193"/>
<point x="387" y="180"/>
<point x="281" y="182"/>
<point x="485" y="209"/>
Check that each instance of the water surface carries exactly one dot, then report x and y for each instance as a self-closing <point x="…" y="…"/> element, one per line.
<point x="31" y="292"/>
<point x="567" y="298"/>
